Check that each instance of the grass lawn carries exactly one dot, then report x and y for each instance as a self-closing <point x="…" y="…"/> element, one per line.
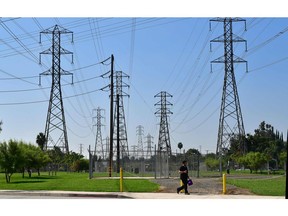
<point x="74" y="182"/>
<point x="274" y="186"/>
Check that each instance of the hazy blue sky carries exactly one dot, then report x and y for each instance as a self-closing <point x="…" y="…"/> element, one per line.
<point x="163" y="54"/>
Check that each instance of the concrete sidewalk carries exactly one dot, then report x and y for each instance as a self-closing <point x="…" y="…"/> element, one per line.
<point x="127" y="195"/>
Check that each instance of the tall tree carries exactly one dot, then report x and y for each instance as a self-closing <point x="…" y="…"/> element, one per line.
<point x="40" y="140"/>
<point x="268" y="141"/>
<point x="265" y="140"/>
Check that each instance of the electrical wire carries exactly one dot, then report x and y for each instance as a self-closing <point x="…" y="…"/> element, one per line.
<point x="6" y="28"/>
<point x="269" y="40"/>
<point x="43" y="101"/>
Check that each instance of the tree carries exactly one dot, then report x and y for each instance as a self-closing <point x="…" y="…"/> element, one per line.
<point x="41" y="140"/>
<point x="70" y="158"/>
<point x="283" y="158"/>
<point x="57" y="157"/>
<point x="41" y="160"/>
<point x="34" y="158"/>
<point x="18" y="155"/>
<point x="80" y="165"/>
<point x="211" y="163"/>
<point x="11" y="158"/>
<point x="193" y="152"/>
<point x="254" y="160"/>
<point x="265" y="140"/>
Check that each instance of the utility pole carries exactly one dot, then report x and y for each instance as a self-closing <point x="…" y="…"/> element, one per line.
<point x="231" y="124"/>
<point x="111" y="115"/>
<point x="107" y="147"/>
<point x="55" y="129"/>
<point x="116" y="89"/>
<point x="118" y="133"/>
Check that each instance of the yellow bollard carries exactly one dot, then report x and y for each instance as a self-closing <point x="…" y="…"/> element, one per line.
<point x="224" y="183"/>
<point x="121" y="179"/>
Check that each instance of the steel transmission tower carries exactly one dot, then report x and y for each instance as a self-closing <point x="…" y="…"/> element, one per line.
<point x="119" y="85"/>
<point x="163" y="112"/>
<point x="140" y="134"/>
<point x="55" y="129"/>
<point x="231" y="121"/>
<point x="149" y="142"/>
<point x="99" y="148"/>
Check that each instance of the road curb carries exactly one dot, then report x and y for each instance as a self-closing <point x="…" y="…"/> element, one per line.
<point x="64" y="194"/>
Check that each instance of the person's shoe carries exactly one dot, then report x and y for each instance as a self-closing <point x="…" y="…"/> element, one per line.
<point x="178" y="191"/>
<point x="187" y="193"/>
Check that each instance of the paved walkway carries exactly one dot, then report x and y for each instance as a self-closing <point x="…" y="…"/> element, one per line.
<point x="127" y="195"/>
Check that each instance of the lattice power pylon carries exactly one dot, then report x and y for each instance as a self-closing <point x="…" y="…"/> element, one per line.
<point x="55" y="129"/>
<point x="99" y="148"/>
<point x="231" y="122"/>
<point x="119" y="85"/>
<point x="149" y="142"/>
<point x="163" y="111"/>
<point x="140" y="134"/>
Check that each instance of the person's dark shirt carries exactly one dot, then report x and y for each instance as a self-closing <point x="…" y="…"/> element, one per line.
<point x="183" y="175"/>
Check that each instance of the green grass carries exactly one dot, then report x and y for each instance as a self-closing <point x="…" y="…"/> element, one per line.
<point x="267" y="187"/>
<point x="75" y="182"/>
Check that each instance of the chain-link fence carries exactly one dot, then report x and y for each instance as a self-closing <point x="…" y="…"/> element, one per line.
<point x="158" y="165"/>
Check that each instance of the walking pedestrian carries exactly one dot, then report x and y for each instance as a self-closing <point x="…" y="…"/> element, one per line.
<point x="183" y="170"/>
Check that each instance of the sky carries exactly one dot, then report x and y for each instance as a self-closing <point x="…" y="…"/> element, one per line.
<point x="167" y="52"/>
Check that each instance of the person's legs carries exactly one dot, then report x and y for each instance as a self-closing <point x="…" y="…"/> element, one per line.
<point x="180" y="188"/>
<point x="185" y="182"/>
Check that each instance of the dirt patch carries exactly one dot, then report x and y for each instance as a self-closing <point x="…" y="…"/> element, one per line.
<point x="238" y="191"/>
<point x="200" y="186"/>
